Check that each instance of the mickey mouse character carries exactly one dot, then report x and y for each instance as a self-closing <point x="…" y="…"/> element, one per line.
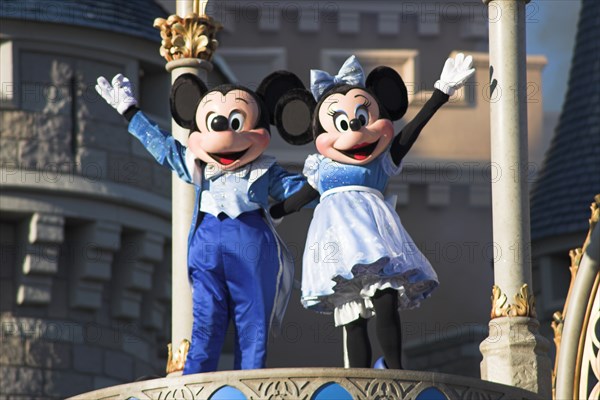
<point x="238" y="267"/>
<point x="359" y="260"/>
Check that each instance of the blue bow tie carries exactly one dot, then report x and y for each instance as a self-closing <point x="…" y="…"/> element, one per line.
<point x="351" y="73"/>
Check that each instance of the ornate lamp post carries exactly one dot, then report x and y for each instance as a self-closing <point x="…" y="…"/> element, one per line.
<point x="514" y="353"/>
<point x="188" y="44"/>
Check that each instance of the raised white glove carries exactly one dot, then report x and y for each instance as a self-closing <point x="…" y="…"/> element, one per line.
<point x="455" y="73"/>
<point x="119" y="94"/>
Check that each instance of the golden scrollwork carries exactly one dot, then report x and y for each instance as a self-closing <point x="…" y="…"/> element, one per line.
<point x="558" y="321"/>
<point x="595" y="211"/>
<point x="192" y="36"/>
<point x="523" y="306"/>
<point x="499" y="303"/>
<point x="176" y="361"/>
<point x="558" y="318"/>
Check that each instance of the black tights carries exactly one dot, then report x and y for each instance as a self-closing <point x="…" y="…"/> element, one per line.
<point x="388" y="329"/>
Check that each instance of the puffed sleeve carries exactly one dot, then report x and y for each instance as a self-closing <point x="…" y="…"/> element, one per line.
<point x="311" y="169"/>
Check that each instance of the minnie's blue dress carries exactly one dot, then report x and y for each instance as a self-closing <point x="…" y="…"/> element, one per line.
<point x="356" y="243"/>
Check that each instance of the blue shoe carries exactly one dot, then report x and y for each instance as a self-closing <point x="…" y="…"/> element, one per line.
<point x="380" y="363"/>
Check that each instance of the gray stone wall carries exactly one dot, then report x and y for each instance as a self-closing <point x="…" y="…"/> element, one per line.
<point x="84" y="228"/>
<point x="55" y="346"/>
<point x="62" y="125"/>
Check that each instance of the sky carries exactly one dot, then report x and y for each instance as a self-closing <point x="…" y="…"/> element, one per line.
<point x="551" y="29"/>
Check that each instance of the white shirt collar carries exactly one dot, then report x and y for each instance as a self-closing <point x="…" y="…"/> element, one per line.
<point x="214" y="170"/>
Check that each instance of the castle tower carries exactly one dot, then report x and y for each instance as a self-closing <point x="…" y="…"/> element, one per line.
<point x="85" y="212"/>
<point x="570" y="175"/>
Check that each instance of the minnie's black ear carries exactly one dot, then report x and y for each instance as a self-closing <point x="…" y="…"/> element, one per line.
<point x="290" y="106"/>
<point x="390" y="90"/>
<point x="274" y="87"/>
<point x="186" y="92"/>
<point x="293" y="116"/>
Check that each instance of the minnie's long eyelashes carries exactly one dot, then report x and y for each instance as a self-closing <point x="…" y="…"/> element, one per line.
<point x="362" y="114"/>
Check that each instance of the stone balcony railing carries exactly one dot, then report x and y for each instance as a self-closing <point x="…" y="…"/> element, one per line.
<point x="306" y="383"/>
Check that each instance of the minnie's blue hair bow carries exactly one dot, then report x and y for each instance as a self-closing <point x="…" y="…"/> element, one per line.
<point x="351" y="73"/>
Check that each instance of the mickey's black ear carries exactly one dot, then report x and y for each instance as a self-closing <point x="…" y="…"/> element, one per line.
<point x="390" y="90"/>
<point x="290" y="106"/>
<point x="186" y="92"/>
<point x="293" y="116"/>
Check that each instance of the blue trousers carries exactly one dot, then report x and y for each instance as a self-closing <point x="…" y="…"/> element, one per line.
<point x="233" y="266"/>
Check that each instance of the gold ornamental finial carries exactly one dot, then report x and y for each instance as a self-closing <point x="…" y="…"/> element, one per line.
<point x="192" y="36"/>
<point x="176" y="362"/>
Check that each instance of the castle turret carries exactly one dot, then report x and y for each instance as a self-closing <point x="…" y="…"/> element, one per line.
<point x="570" y="175"/>
<point x="85" y="212"/>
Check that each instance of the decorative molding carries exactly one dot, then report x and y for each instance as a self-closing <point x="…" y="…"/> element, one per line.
<point x="523" y="306"/>
<point x="44" y="234"/>
<point x="303" y="383"/>
<point x="516" y="354"/>
<point x="270" y="19"/>
<point x="429" y="25"/>
<point x="94" y="246"/>
<point x="405" y="62"/>
<point x="474" y="27"/>
<point x="480" y="195"/>
<point x="9" y="93"/>
<point x="157" y="301"/>
<point x="247" y="63"/>
<point x="401" y="192"/>
<point x="308" y="20"/>
<point x="348" y="21"/>
<point x="388" y="23"/>
<point x="134" y="265"/>
<point x="429" y="16"/>
<point x="71" y="186"/>
<point x="438" y="194"/>
<point x="192" y="36"/>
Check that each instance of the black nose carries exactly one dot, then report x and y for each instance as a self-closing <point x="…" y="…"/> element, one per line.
<point x="219" y="123"/>
<point x="355" y="124"/>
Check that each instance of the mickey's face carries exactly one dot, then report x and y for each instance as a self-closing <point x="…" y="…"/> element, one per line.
<point x="353" y="131"/>
<point x="227" y="130"/>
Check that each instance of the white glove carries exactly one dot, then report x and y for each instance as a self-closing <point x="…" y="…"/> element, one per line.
<point x="455" y="73"/>
<point x="119" y="94"/>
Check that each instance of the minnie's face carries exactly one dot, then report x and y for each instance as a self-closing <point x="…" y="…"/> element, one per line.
<point x="227" y="132"/>
<point x="354" y="132"/>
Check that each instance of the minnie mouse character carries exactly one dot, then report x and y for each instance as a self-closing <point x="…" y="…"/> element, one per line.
<point x="238" y="267"/>
<point x="359" y="260"/>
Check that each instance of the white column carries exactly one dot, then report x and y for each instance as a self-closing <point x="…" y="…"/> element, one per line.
<point x="514" y="353"/>
<point x="510" y="201"/>
<point x="183" y="197"/>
